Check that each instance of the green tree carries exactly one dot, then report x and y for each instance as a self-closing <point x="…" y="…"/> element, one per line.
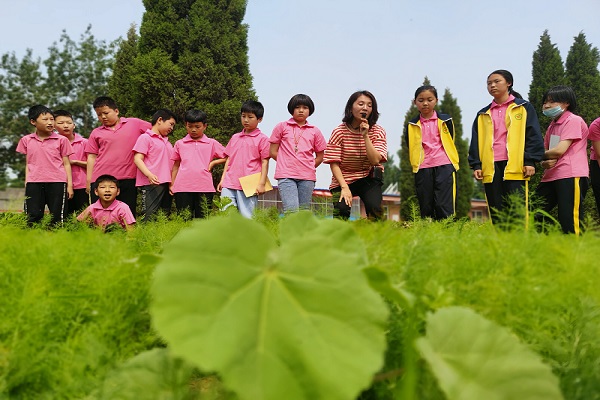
<point x="190" y="54"/>
<point x="392" y="172"/>
<point x="76" y="73"/>
<point x="547" y="70"/>
<point x="583" y="76"/>
<point x="464" y="177"/>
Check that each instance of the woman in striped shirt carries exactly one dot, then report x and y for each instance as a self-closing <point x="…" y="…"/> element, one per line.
<point x="355" y="152"/>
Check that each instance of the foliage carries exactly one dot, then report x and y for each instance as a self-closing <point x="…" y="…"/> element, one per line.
<point x="392" y="172"/>
<point x="189" y="54"/>
<point x="293" y="320"/>
<point x="583" y="76"/>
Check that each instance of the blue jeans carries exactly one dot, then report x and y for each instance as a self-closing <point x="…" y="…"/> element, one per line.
<point x="245" y="205"/>
<point x="295" y="194"/>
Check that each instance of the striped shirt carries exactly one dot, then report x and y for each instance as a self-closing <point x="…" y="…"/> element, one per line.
<point x="349" y="150"/>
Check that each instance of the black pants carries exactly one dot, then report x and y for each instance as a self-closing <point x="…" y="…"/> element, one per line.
<point x="40" y="194"/>
<point x="199" y="204"/>
<point x="436" y="191"/>
<point x="79" y="201"/>
<point x="595" y="181"/>
<point x="568" y="195"/>
<point x="154" y="198"/>
<point x="370" y="192"/>
<point x="499" y="191"/>
<point x="127" y="194"/>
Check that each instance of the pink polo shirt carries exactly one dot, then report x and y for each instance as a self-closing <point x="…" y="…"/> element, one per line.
<point x="246" y="152"/>
<point x="498" y="112"/>
<point x="44" y="158"/>
<point x="573" y="163"/>
<point x="157" y="151"/>
<point x="594" y="135"/>
<point x="297" y="148"/>
<point x="113" y="148"/>
<point x="116" y="212"/>
<point x="194" y="157"/>
<point x="79" y="173"/>
<point x="433" y="150"/>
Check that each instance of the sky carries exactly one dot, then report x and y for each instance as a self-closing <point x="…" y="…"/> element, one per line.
<point x="328" y="49"/>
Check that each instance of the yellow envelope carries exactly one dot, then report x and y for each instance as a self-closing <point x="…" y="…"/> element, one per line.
<point x="250" y="182"/>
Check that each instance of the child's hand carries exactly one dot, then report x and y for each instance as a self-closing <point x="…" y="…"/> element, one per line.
<point x="70" y="191"/>
<point x="346" y="196"/>
<point x="220" y="187"/>
<point x="528" y="171"/>
<point x="260" y="189"/>
<point x="477" y="174"/>
<point x="547" y="164"/>
<point x="153" y="179"/>
<point x="171" y="189"/>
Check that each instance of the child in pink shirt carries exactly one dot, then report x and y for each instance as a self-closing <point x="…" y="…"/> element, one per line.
<point x="247" y="153"/>
<point x="298" y="148"/>
<point x="63" y="121"/>
<point x="109" y="150"/>
<point x="566" y="169"/>
<point x="194" y="157"/>
<point x="594" y="137"/>
<point x="107" y="210"/>
<point x="48" y="179"/>
<point x="153" y="153"/>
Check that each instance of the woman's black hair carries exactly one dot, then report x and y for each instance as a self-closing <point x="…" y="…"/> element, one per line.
<point x="509" y="79"/>
<point x="348" y="110"/>
<point x="424" y="88"/>
<point x="301" y="100"/>
<point x="562" y="94"/>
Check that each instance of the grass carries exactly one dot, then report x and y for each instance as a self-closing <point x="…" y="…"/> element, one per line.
<point x="75" y="300"/>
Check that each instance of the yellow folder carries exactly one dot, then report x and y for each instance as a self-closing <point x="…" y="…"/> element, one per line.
<point x="250" y="182"/>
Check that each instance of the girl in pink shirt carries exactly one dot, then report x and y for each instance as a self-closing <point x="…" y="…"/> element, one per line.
<point x="433" y="156"/>
<point x="566" y="170"/>
<point x="298" y="148"/>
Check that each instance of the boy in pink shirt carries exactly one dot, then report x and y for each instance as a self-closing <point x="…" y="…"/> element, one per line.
<point x="247" y="153"/>
<point x="109" y="150"/>
<point x="152" y="156"/>
<point x="63" y="121"/>
<point x="107" y="210"/>
<point x="194" y="157"/>
<point x="48" y="179"/>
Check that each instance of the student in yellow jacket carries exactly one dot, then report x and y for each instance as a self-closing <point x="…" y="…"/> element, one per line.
<point x="433" y="156"/>
<point x="506" y="143"/>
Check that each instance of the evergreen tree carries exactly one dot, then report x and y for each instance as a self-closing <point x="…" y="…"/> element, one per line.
<point x="464" y="176"/>
<point x="392" y="172"/>
<point x="119" y="84"/>
<point x="583" y="76"/>
<point x="190" y="54"/>
<point x="547" y="71"/>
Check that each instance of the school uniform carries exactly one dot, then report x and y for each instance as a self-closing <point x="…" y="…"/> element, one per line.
<point x="157" y="151"/>
<point x="434" y="160"/>
<point x="80" y="197"/>
<point x="114" y="156"/>
<point x="193" y="187"/>
<point x="565" y="184"/>
<point x="117" y="212"/>
<point x="594" y="135"/>
<point x="46" y="175"/>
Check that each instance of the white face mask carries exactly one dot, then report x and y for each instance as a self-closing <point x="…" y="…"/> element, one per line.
<point x="553" y="112"/>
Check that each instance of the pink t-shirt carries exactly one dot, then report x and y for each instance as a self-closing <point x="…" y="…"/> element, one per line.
<point x="498" y="112"/>
<point x="594" y="135"/>
<point x="79" y="173"/>
<point x="45" y="157"/>
<point x="194" y="157"/>
<point x="157" y="151"/>
<point x="113" y="148"/>
<point x="297" y="148"/>
<point x="116" y="212"/>
<point x="573" y="163"/>
<point x="246" y="152"/>
<point x="433" y="150"/>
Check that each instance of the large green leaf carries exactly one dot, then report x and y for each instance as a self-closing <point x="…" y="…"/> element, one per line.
<point x="150" y="375"/>
<point x="290" y="321"/>
<point x="473" y="359"/>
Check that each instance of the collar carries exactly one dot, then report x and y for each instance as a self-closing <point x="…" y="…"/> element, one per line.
<point x="254" y="133"/>
<point x="563" y="117"/>
<point x="432" y="118"/>
<point x="188" y="138"/>
<point x="98" y="206"/>
<point x="510" y="99"/>
<point x="53" y="135"/>
<point x="292" y="121"/>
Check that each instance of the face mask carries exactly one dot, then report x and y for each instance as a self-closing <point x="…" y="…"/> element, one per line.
<point x="553" y="112"/>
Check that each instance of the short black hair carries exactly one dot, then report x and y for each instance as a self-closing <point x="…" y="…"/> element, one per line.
<point x="301" y="100"/>
<point x="254" y="107"/>
<point x="348" y="110"/>
<point x="106" y="178"/>
<point x="37" y="110"/>
<point x="425" y="88"/>
<point x="105" y="101"/>
<point x="195" y="116"/>
<point x="562" y="94"/>
<point x="62" y="113"/>
<point x="164" y="114"/>
<point x="508" y="77"/>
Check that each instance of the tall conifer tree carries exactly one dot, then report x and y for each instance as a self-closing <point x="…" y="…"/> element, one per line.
<point x="582" y="74"/>
<point x="190" y="54"/>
